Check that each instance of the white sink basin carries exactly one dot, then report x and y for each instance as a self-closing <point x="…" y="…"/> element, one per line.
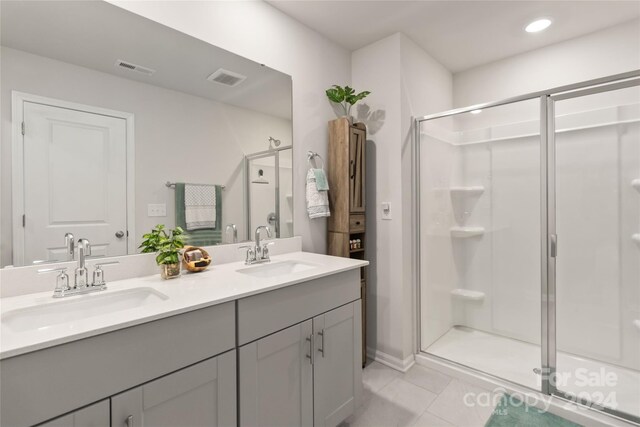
<point x="275" y="269"/>
<point x="78" y="308"/>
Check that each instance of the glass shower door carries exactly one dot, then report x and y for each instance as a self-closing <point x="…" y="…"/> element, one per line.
<point x="480" y="203"/>
<point x="596" y="143"/>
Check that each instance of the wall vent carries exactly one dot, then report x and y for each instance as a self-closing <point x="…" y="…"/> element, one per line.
<point x="226" y="77"/>
<point x="133" y="67"/>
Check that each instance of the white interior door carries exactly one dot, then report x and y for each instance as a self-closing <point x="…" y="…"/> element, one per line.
<point x="75" y="180"/>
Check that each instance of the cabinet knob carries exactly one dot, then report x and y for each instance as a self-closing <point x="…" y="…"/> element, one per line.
<point x="129" y="421"/>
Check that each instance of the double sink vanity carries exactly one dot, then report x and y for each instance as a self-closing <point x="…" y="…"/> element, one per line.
<point x="278" y="343"/>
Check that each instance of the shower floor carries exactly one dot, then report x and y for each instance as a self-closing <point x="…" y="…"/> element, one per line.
<point x="515" y="360"/>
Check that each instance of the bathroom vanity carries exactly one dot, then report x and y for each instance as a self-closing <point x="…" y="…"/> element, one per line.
<point x="272" y="344"/>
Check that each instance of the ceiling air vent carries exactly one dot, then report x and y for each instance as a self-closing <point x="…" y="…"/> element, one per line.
<point x="133" y="67"/>
<point x="226" y="77"/>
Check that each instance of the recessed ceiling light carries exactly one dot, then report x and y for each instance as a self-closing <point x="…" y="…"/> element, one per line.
<point x="538" y="25"/>
<point x="476" y="111"/>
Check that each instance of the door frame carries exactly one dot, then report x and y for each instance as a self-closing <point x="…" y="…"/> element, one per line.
<point x="18" y="99"/>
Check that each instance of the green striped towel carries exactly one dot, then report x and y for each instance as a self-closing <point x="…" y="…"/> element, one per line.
<point x="203" y="237"/>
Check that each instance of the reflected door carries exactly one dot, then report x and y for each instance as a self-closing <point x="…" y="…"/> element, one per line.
<point x="596" y="142"/>
<point x="74" y="182"/>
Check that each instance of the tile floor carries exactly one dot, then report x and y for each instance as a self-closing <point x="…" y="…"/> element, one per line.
<point x="420" y="397"/>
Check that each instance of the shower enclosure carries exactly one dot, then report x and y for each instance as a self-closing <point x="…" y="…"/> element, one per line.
<point x="269" y="189"/>
<point x="528" y="214"/>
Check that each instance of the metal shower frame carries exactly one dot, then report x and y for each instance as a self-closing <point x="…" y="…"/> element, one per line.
<point x="275" y="152"/>
<point x="547" y="100"/>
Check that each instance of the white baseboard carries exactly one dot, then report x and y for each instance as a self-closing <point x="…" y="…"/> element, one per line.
<point x="577" y="413"/>
<point x="391" y="361"/>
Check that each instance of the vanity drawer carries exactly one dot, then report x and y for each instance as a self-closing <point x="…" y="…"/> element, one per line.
<point x="43" y="384"/>
<point x="266" y="313"/>
<point x="356" y="223"/>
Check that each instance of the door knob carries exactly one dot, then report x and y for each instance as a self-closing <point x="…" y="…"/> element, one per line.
<point x="120" y="234"/>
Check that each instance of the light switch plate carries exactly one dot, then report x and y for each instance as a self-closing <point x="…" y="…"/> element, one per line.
<point x="157" y="209"/>
<point x="386" y="210"/>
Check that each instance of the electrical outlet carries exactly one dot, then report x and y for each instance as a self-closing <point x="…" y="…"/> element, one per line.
<point x="156" y="209"/>
<point x="386" y="210"/>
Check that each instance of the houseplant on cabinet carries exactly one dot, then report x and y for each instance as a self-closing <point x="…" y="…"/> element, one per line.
<point x="167" y="245"/>
<point x="344" y="98"/>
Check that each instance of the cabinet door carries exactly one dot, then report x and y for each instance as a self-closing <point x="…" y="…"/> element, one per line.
<point x="337" y="372"/>
<point x="201" y="395"/>
<point x="276" y="377"/>
<point x="96" y="415"/>
<point x="356" y="170"/>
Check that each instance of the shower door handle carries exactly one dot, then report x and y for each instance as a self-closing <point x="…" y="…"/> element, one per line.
<point x="553" y="246"/>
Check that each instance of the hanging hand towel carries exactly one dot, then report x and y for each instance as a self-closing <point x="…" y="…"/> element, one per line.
<point x="322" y="184"/>
<point x="317" y="201"/>
<point x="199" y="206"/>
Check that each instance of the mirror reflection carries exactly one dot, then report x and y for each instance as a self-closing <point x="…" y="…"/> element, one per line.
<point x="105" y="134"/>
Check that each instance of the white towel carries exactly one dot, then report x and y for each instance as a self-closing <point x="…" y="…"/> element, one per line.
<point x="317" y="201"/>
<point x="200" y="206"/>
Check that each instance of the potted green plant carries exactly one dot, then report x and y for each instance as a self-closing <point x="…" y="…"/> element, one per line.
<point x="167" y="245"/>
<point x="344" y="98"/>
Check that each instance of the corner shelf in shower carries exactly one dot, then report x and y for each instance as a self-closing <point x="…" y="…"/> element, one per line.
<point x="466" y="232"/>
<point x="637" y="324"/>
<point x="636" y="184"/>
<point x="467" y="294"/>
<point x="467" y="191"/>
<point x="636" y="238"/>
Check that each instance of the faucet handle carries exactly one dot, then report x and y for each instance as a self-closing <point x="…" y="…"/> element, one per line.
<point x="51" y="270"/>
<point x="265" y="249"/>
<point x="98" y="274"/>
<point x="62" y="280"/>
<point x="250" y="252"/>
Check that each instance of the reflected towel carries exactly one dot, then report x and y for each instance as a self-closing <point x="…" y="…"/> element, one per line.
<point x="206" y="236"/>
<point x="200" y="206"/>
<point x="317" y="201"/>
<point x="322" y="184"/>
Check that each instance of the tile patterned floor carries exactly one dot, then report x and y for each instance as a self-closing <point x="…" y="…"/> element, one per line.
<point x="421" y="397"/>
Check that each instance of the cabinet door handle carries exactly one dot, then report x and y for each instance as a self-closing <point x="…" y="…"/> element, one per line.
<point x="129" y="421"/>
<point x="321" y="349"/>
<point x="310" y="355"/>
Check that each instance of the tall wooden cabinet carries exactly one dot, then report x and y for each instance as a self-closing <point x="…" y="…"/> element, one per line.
<point x="347" y="198"/>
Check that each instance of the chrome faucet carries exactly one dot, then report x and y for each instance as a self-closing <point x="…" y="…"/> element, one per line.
<point x="233" y="228"/>
<point x="260" y="252"/>
<point x="84" y="250"/>
<point x="81" y="286"/>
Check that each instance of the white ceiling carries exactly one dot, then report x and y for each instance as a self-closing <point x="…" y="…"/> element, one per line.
<point x="95" y="34"/>
<point x="458" y="34"/>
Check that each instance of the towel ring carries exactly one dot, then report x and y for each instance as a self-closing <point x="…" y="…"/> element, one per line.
<point x="312" y="155"/>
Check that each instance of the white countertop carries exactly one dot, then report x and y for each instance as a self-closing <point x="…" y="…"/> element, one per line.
<point x="218" y="284"/>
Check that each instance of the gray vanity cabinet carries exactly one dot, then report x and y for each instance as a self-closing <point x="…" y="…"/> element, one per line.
<point x="276" y="379"/>
<point x="306" y="375"/>
<point x="337" y="375"/>
<point x="96" y="415"/>
<point x="203" y="394"/>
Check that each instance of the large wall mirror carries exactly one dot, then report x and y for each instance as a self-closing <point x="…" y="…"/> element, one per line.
<point x="112" y="123"/>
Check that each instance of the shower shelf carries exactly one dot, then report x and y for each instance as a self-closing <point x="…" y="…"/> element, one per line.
<point x="636" y="184"/>
<point x="466" y="232"/>
<point x="467" y="191"/>
<point x="467" y="294"/>
<point x="637" y="324"/>
<point x="636" y="237"/>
